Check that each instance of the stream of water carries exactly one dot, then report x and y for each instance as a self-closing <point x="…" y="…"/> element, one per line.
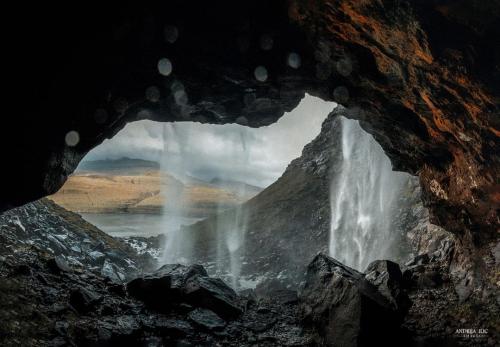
<point x="363" y="200"/>
<point x="177" y="246"/>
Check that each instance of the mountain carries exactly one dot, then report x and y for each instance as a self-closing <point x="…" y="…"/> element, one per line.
<point x="239" y="188"/>
<point x="139" y="186"/>
<point x="123" y="165"/>
<point x="288" y="223"/>
<point x="43" y="226"/>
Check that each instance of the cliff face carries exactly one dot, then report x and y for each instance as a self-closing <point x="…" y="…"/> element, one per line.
<point x="288" y="223"/>
<point x="423" y="78"/>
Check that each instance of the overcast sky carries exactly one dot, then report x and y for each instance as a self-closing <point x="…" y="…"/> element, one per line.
<point x="256" y="156"/>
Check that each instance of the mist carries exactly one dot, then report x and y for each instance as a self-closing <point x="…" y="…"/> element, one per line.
<point x="218" y="151"/>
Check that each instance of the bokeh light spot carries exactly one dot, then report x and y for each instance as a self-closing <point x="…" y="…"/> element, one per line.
<point x="100" y="116"/>
<point x="171" y="33"/>
<point x="260" y="73"/>
<point x="344" y="66"/>
<point x="341" y="95"/>
<point x="266" y="42"/>
<point x="164" y="66"/>
<point x="153" y="94"/>
<point x="293" y="60"/>
<point x="72" y="138"/>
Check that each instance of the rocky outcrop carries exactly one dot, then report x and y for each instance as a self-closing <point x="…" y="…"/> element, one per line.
<point x="72" y="242"/>
<point x="446" y="300"/>
<point x="348" y="308"/>
<point x="417" y="80"/>
<point x="39" y="307"/>
<point x="176" y="284"/>
<point x="47" y="299"/>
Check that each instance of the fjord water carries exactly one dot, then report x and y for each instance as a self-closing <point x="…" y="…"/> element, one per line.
<point x="363" y="200"/>
<point x="136" y="224"/>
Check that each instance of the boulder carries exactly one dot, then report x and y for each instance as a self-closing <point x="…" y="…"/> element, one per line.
<point x="84" y="300"/>
<point x="347" y="309"/>
<point x="58" y="264"/>
<point x="153" y="290"/>
<point x="206" y="319"/>
<point x="164" y="287"/>
<point x="174" y="328"/>
<point x="276" y="290"/>
<point x="176" y="284"/>
<point x="213" y="294"/>
<point x="180" y="274"/>
<point x="422" y="277"/>
<point x="387" y="277"/>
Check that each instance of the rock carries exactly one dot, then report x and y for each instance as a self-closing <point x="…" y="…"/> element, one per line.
<point x="464" y="287"/>
<point x="213" y="294"/>
<point x="387" y="277"/>
<point x="22" y="269"/>
<point x="61" y="328"/>
<point x="58" y="264"/>
<point x="259" y="321"/>
<point x="108" y="310"/>
<point x="151" y="289"/>
<point x="268" y="286"/>
<point x="164" y="287"/>
<point x="206" y="319"/>
<point x="285" y="296"/>
<point x="170" y="327"/>
<point x="84" y="300"/>
<point x="344" y="307"/>
<point x="112" y="271"/>
<point x="180" y="273"/>
<point x="422" y="276"/>
<point x="118" y="289"/>
<point x="125" y="325"/>
<point x="274" y="289"/>
<point x="418" y="260"/>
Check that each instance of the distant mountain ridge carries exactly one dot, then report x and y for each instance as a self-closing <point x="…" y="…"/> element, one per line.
<point x="122" y="164"/>
<point x="129" y="185"/>
<point x="236" y="186"/>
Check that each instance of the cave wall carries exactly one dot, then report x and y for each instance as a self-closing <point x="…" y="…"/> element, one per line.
<point x="422" y="77"/>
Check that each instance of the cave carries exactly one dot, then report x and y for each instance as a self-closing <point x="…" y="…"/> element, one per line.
<point x="422" y="78"/>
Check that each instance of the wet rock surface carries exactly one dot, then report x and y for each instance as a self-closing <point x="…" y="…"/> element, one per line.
<point x="72" y="242"/>
<point x="46" y="302"/>
<point x="175" y="284"/>
<point x="386" y="276"/>
<point x="348" y="308"/>
<point x="50" y="299"/>
<point x="80" y="308"/>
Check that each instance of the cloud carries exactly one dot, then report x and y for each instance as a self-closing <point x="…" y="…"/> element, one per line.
<point x="256" y="156"/>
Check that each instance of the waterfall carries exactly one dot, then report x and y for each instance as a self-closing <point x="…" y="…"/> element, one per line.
<point x="363" y="200"/>
<point x="232" y="226"/>
<point x="177" y="246"/>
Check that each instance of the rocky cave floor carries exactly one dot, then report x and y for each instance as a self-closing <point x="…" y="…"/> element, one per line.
<point x="45" y="302"/>
<point x="62" y="297"/>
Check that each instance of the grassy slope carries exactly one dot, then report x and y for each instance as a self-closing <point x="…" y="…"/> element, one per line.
<point x="140" y="193"/>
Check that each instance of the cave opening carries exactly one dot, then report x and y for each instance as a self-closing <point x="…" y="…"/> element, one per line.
<point x="421" y="78"/>
<point x="249" y="204"/>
